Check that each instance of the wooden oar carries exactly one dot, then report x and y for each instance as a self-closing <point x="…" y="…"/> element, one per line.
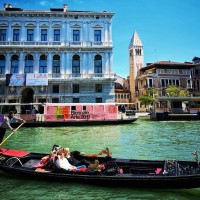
<point x="11" y="134"/>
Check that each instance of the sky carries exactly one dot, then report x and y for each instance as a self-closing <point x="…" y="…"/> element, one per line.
<point x="168" y="29"/>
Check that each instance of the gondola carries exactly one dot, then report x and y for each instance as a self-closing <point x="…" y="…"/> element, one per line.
<point x="166" y="174"/>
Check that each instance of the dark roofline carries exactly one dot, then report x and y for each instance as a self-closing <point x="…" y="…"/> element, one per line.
<point x="196" y="58"/>
<point x="58" y="10"/>
<point x="168" y="65"/>
<point x="14" y="9"/>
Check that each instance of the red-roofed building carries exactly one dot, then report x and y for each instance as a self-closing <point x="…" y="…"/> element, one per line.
<point x="161" y="74"/>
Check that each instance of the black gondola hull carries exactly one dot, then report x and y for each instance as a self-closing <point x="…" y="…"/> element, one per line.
<point x="132" y="180"/>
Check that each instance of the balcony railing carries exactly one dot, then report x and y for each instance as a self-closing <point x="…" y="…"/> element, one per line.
<point x="56" y="43"/>
<point x="147" y="75"/>
<point x="81" y="76"/>
<point x="55" y="75"/>
<point x="75" y="76"/>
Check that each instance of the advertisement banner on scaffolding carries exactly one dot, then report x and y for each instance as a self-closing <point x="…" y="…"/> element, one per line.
<point x="38" y="79"/>
<point x="15" y="79"/>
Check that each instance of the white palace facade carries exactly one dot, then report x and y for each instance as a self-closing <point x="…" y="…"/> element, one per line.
<point x="56" y="55"/>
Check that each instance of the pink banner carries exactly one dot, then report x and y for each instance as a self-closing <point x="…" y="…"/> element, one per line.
<point x="80" y="112"/>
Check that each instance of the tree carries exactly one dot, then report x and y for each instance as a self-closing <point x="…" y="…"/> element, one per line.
<point x="145" y="99"/>
<point x="174" y="91"/>
<point x="151" y="92"/>
<point x="184" y="93"/>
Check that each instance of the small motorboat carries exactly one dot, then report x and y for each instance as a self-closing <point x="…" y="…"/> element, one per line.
<point x="166" y="174"/>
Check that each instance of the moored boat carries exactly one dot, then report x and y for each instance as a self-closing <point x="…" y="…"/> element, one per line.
<point x="66" y="114"/>
<point x="175" y="108"/>
<point x="132" y="173"/>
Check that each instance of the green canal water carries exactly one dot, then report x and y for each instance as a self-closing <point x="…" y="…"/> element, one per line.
<point x="143" y="139"/>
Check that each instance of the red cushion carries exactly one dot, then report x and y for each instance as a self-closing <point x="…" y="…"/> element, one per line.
<point x="2" y="150"/>
<point x="158" y="170"/>
<point x="16" y="153"/>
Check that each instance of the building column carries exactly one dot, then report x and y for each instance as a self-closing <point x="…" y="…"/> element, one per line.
<point x="36" y="63"/>
<point x="49" y="63"/>
<point x="50" y="34"/>
<point x="84" y="37"/>
<point x="110" y="33"/>
<point x="89" y="32"/>
<point x="8" y="63"/>
<point x="91" y="63"/>
<point x="37" y="38"/>
<point x="111" y="62"/>
<point x="9" y="32"/>
<point x="23" y="34"/>
<point x="87" y="63"/>
<point x="106" y="64"/>
<point x="105" y="35"/>
<point x="68" y="62"/>
<point x="21" y="63"/>
<point x="62" y="64"/>
<point x="81" y="63"/>
<point x="63" y="35"/>
<point x="84" y="63"/>
<point x="68" y="35"/>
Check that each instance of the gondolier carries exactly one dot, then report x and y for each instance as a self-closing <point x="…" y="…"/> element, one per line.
<point x="6" y="124"/>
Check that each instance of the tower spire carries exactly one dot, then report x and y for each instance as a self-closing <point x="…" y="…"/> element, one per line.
<point x="135" y="40"/>
<point x="136" y="62"/>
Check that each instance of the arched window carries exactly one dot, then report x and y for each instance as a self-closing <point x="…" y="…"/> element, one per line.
<point x="14" y="64"/>
<point x="76" y="64"/>
<point x="118" y="86"/>
<point x="56" y="64"/>
<point x="97" y="64"/>
<point x="43" y="64"/>
<point x="138" y="52"/>
<point x="2" y="64"/>
<point x="28" y="64"/>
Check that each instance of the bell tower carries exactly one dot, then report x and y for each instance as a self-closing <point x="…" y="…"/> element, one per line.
<point x="136" y="62"/>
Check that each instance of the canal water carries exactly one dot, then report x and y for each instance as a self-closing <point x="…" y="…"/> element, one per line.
<point x="143" y="139"/>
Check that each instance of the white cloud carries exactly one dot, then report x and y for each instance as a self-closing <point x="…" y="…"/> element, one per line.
<point x="43" y="3"/>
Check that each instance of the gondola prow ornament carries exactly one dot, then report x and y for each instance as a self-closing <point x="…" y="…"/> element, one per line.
<point x="196" y="156"/>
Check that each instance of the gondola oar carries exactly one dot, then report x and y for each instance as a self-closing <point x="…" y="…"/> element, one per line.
<point x="11" y="134"/>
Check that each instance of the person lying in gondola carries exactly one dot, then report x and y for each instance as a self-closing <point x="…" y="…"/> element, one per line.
<point x="72" y="160"/>
<point x="48" y="161"/>
<point x="63" y="163"/>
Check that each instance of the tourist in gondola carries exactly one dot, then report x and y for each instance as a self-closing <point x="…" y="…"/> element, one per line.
<point x="63" y="163"/>
<point x="73" y="161"/>
<point x="6" y="124"/>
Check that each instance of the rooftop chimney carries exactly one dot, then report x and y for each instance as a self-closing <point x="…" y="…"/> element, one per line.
<point x="9" y="6"/>
<point x="65" y="7"/>
<point x="4" y="6"/>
